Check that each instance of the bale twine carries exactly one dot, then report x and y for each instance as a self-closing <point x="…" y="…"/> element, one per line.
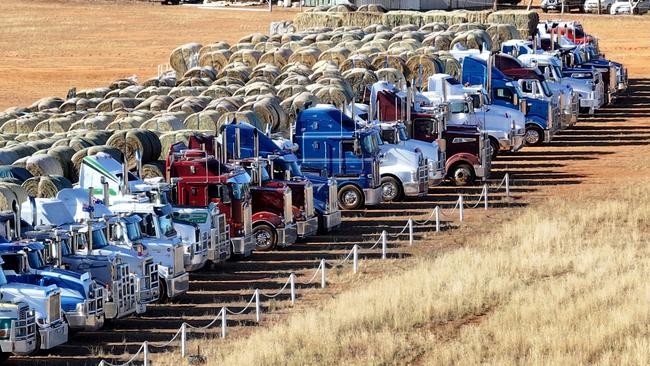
<point x="203" y="121"/>
<point x="185" y="57"/>
<point x="46" y="186"/>
<point x="359" y="80"/>
<point x="154" y="169"/>
<point x="391" y="75"/>
<point x="42" y="164"/>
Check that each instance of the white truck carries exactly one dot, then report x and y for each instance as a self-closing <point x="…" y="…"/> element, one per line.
<point x="17" y="329"/>
<point x="203" y="232"/>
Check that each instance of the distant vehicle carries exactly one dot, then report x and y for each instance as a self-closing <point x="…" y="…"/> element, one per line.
<point x="630" y="7"/>
<point x="591" y="6"/>
<point x="557" y="5"/>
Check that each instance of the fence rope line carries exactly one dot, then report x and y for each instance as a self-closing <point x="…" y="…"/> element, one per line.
<point x="343" y="260"/>
<point x="205" y="326"/>
<point x="401" y="232"/>
<point x="503" y="180"/>
<point x="106" y="363"/>
<point x="452" y="210"/>
<point x="374" y="245"/>
<point x="279" y="292"/>
<point x="480" y="198"/>
<point x="242" y="310"/>
<point x="318" y="269"/>
<point x="170" y="341"/>
<point x="433" y="212"/>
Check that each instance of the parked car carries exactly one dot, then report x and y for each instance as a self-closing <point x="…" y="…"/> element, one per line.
<point x="557" y="5"/>
<point x="591" y="6"/>
<point x="630" y="7"/>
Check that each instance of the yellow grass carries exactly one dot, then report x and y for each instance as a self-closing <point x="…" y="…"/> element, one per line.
<point x="564" y="284"/>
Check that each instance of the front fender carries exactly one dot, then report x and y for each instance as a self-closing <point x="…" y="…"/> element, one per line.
<point x="462" y="157"/>
<point x="537" y="121"/>
<point x="269" y="217"/>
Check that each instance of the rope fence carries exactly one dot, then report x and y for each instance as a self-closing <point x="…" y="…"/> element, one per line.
<point x="321" y="269"/>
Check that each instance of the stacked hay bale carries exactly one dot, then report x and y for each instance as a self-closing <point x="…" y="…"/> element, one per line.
<point x="128" y="142"/>
<point x="525" y="21"/>
<point x="45" y="186"/>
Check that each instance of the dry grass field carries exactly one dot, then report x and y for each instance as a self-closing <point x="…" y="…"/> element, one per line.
<point x="561" y="280"/>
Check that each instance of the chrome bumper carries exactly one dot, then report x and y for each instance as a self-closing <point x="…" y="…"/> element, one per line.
<point x="412" y="189"/>
<point x="287" y="235"/>
<point x="517" y="143"/>
<point x="480" y="171"/>
<point x="548" y="135"/>
<point x="307" y="227"/>
<point x="195" y="260"/>
<point x="219" y="249"/>
<point x="88" y="322"/>
<point x="112" y="310"/>
<point x="54" y="335"/>
<point x="178" y="285"/>
<point x="331" y="220"/>
<point x="372" y="196"/>
<point x="21" y="347"/>
<point x="243" y="245"/>
<point x="147" y="295"/>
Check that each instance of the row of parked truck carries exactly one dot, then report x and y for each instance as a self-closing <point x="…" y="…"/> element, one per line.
<point x="116" y="243"/>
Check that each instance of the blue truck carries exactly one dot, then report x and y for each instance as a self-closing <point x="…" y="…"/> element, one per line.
<point x="331" y="144"/>
<point x="541" y="117"/>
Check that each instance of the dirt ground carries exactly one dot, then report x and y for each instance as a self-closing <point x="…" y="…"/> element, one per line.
<point x="48" y="47"/>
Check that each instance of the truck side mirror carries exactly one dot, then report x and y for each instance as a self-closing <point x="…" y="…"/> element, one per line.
<point x="357" y="147"/>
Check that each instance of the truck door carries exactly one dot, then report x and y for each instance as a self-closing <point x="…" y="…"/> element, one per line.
<point x="351" y="164"/>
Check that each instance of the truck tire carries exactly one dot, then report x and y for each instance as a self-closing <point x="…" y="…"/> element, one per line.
<point x="265" y="237"/>
<point x="494" y="144"/>
<point x="462" y="174"/>
<point x="391" y="189"/>
<point x="534" y="135"/>
<point x="4" y="356"/>
<point x="350" y="198"/>
<point x="162" y="287"/>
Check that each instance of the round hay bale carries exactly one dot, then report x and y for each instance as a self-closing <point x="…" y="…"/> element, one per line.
<point x="164" y="123"/>
<point x="42" y="164"/>
<point x="122" y="83"/>
<point x="45" y="186"/>
<point x="277" y="56"/>
<point x="203" y="121"/>
<point x="90" y="151"/>
<point x="247" y="116"/>
<point x="335" y="55"/>
<point x="241" y="46"/>
<point x="189" y="105"/>
<point x="216" y="91"/>
<point x="131" y="141"/>
<point x="421" y="67"/>
<point x="227" y="104"/>
<point x="286" y="91"/>
<point x="46" y="103"/>
<point x="195" y="82"/>
<point x="439" y="40"/>
<point x="473" y="39"/>
<point x="202" y="72"/>
<point x="296" y="103"/>
<point x="342" y="8"/>
<point x="186" y="91"/>
<point x="217" y="59"/>
<point x="333" y="95"/>
<point x="452" y="66"/>
<point x="93" y="93"/>
<point x="355" y="61"/>
<point x="434" y="27"/>
<point x="8" y="199"/>
<point x="269" y="112"/>
<point x="213" y="47"/>
<point x="392" y="76"/>
<point x="154" y="169"/>
<point x="372" y="8"/>
<point x="64" y="155"/>
<point x="153" y="91"/>
<point x="385" y="61"/>
<point x="267" y="46"/>
<point x="185" y="57"/>
<point x="464" y="27"/>
<point x="500" y="33"/>
<point x="249" y="58"/>
<point x="359" y="80"/>
<point x="237" y="71"/>
<point x="306" y="56"/>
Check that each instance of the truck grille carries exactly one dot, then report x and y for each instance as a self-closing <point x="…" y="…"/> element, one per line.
<point x="25" y="326"/>
<point x="423" y="175"/>
<point x="179" y="264"/>
<point x="124" y="289"/>
<point x="150" y="274"/>
<point x="95" y="305"/>
<point x="248" y="219"/>
<point x="54" y="307"/>
<point x="376" y="179"/>
<point x="288" y="206"/>
<point x="332" y="198"/>
<point x="486" y="149"/>
<point x="309" y="200"/>
<point x="575" y="104"/>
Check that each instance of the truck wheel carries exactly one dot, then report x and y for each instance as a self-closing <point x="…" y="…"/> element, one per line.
<point x="391" y="189"/>
<point x="162" y="287"/>
<point x="350" y="198"/>
<point x="534" y="136"/>
<point x="462" y="174"/>
<point x="265" y="237"/>
<point x="494" y="144"/>
<point x="4" y="356"/>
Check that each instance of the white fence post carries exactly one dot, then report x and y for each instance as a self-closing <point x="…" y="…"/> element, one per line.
<point x="258" y="313"/>
<point x="384" y="234"/>
<point x="292" y="282"/>
<point x="355" y="259"/>
<point x="323" y="278"/>
<point x="485" y="192"/>
<point x="507" y="185"/>
<point x="437" y="219"/>
<point x="146" y="353"/>
<point x="410" y="224"/>
<point x="223" y="322"/>
<point x="183" y="339"/>
<point x="461" y="204"/>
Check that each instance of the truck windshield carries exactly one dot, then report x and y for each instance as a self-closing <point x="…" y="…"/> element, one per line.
<point x="99" y="239"/>
<point x="370" y="143"/>
<point x="35" y="259"/>
<point x="132" y="232"/>
<point x="3" y="279"/>
<point x="458" y="107"/>
<point x="240" y="191"/>
<point x="166" y="225"/>
<point x="65" y="247"/>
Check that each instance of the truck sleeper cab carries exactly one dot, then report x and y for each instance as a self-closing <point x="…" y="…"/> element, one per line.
<point x="331" y="145"/>
<point x="82" y="299"/>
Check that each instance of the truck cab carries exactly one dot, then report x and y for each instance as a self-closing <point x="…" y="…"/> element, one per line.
<point x="82" y="299"/>
<point x="35" y="320"/>
<point x="199" y="180"/>
<point x="109" y="272"/>
<point x="541" y="119"/>
<point x="330" y="144"/>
